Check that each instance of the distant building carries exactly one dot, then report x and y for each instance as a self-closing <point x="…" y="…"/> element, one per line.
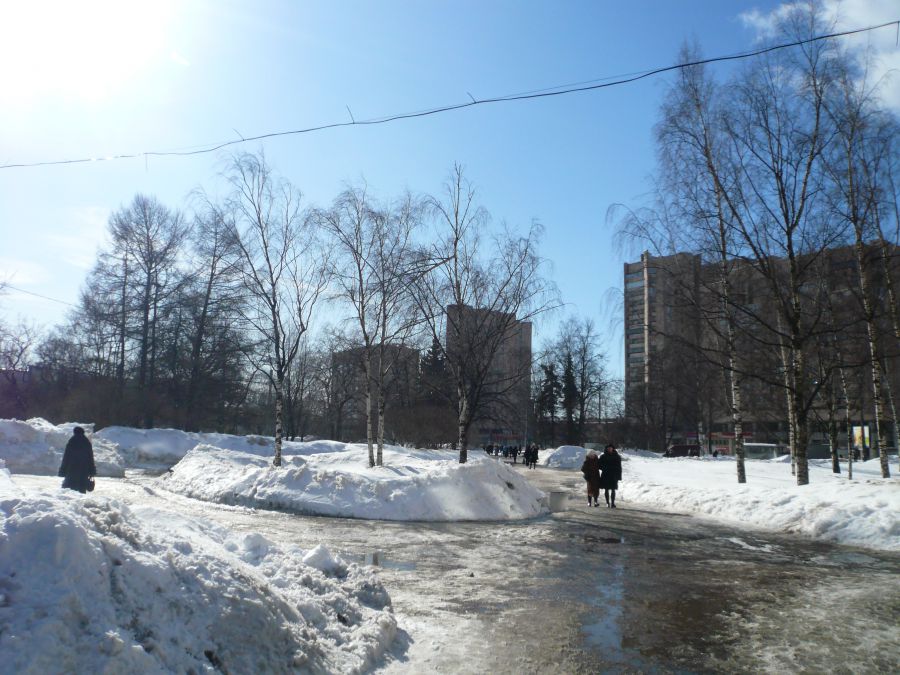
<point x="348" y="373"/>
<point x="502" y="416"/>
<point x="661" y="329"/>
<point x="672" y="383"/>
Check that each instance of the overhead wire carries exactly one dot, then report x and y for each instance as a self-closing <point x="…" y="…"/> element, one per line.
<point x="560" y="90"/>
<point x="37" y="295"/>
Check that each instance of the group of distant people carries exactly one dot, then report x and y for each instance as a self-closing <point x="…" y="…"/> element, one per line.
<point x="603" y="472"/>
<point x="529" y="453"/>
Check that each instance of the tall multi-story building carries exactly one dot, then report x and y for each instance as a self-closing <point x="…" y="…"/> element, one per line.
<point x="661" y="325"/>
<point x="502" y="416"/>
<point x="675" y="385"/>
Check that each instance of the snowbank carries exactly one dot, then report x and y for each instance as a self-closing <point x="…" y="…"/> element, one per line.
<point x="36" y="446"/>
<point x="862" y="512"/>
<point x="426" y="485"/>
<point x="168" y="446"/>
<point x="563" y="457"/>
<point x="88" y="585"/>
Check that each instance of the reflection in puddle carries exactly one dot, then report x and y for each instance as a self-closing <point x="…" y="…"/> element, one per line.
<point x="591" y="539"/>
<point x="605" y="633"/>
<point x="379" y="559"/>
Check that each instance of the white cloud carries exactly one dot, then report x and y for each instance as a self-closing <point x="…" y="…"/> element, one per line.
<point x="21" y="273"/>
<point x="879" y="45"/>
<point x="86" y="232"/>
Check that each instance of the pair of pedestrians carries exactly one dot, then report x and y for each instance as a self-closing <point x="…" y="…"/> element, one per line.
<point x="604" y="472"/>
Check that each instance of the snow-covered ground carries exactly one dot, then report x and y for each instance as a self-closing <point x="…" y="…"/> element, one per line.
<point x="88" y="585"/>
<point x="36" y="446"/>
<point x="861" y="512"/>
<point x="168" y="446"/>
<point x="563" y="457"/>
<point x="426" y="485"/>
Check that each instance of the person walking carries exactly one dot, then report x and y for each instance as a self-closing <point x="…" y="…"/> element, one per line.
<point x="610" y="463"/>
<point x="533" y="450"/>
<point x="591" y="471"/>
<point x="78" y="466"/>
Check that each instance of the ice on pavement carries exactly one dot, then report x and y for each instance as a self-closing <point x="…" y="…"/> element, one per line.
<point x="88" y="585"/>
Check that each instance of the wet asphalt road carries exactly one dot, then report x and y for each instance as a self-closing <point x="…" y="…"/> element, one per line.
<point x="590" y="590"/>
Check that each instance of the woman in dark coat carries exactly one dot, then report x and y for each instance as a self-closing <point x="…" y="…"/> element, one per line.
<point x="78" y="462"/>
<point x="610" y="462"/>
<point x="591" y="471"/>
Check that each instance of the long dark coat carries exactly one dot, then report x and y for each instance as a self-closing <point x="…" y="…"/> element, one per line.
<point x="78" y="463"/>
<point x="591" y="471"/>
<point x="611" y="465"/>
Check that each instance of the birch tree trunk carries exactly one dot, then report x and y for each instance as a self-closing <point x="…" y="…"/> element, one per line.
<point x="279" y="418"/>
<point x="370" y="432"/>
<point x="846" y="392"/>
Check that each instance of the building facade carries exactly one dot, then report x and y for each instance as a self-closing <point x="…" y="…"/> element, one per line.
<point x="675" y="382"/>
<point x="496" y="348"/>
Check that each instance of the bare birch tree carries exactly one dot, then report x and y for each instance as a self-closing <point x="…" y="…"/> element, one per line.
<point x="472" y="297"/>
<point x="856" y="166"/>
<point x="284" y="270"/>
<point x="373" y="269"/>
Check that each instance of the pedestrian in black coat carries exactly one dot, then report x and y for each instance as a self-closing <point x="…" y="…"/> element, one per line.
<point x="611" y="465"/>
<point x="78" y="462"/>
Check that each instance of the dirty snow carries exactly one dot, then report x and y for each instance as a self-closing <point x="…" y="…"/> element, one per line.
<point x="426" y="485"/>
<point x="90" y="585"/>
<point x="563" y="457"/>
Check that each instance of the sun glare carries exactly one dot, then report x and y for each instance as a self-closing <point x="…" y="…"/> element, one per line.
<point x="77" y="48"/>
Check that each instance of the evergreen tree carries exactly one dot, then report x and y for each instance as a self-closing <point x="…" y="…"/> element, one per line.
<point x="548" y="403"/>
<point x="433" y="374"/>
<point x="570" y="400"/>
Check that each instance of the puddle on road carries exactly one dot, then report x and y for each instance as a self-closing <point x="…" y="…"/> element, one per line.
<point x="591" y="539"/>
<point x="379" y="559"/>
<point x="605" y="632"/>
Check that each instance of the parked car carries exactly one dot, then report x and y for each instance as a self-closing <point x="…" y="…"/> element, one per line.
<point x="683" y="451"/>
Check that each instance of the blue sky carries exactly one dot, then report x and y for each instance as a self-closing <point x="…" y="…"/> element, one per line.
<point x="98" y="78"/>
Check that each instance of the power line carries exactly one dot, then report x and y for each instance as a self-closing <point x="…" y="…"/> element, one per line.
<point x="560" y="90"/>
<point x="37" y="295"/>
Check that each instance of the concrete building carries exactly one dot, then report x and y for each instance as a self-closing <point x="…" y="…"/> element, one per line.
<point x="502" y="416"/>
<point x="348" y="373"/>
<point x="661" y="327"/>
<point x="677" y="390"/>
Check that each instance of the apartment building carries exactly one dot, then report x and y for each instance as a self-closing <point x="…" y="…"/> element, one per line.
<point x="676" y="388"/>
<point x="502" y="416"/>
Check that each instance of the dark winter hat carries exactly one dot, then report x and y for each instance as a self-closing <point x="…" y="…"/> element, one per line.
<point x="78" y="431"/>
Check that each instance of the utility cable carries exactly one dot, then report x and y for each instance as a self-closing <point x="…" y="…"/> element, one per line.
<point x="37" y="295"/>
<point x="560" y="90"/>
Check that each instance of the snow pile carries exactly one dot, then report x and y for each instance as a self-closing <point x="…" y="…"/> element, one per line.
<point x="862" y="512"/>
<point x="36" y="446"/>
<point x="88" y="585"/>
<point x="564" y="457"/>
<point x="426" y="485"/>
<point x="168" y="446"/>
